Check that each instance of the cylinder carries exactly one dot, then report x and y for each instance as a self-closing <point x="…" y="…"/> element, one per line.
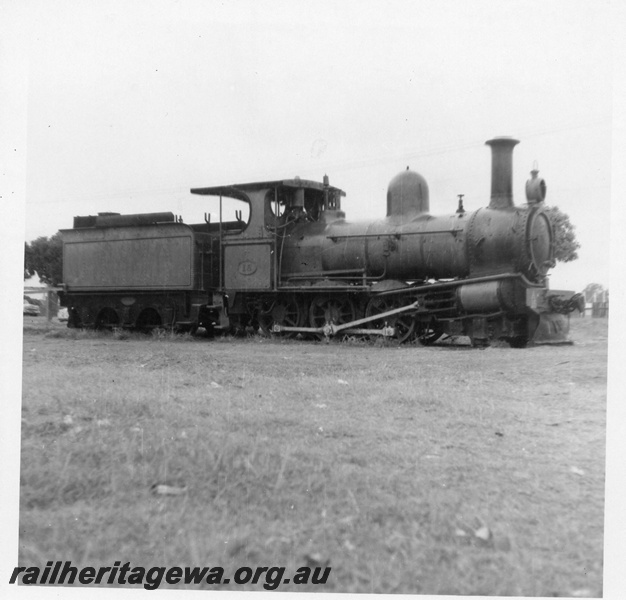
<point x="501" y="171"/>
<point x="479" y="297"/>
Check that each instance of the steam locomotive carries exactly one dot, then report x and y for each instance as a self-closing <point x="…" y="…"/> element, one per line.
<point x="295" y="266"/>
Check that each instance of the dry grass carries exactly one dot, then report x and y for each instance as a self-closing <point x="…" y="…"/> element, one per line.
<point x="375" y="458"/>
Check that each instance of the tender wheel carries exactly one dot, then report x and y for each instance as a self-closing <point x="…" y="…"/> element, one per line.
<point x="331" y="309"/>
<point x="283" y="311"/>
<point x="107" y="319"/>
<point x="73" y="319"/>
<point x="404" y="324"/>
<point x="148" y="320"/>
<point x="428" y="332"/>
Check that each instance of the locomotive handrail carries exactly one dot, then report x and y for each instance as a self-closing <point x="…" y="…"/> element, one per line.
<point x="458" y="282"/>
<point x="247" y="242"/>
<point x="52" y="288"/>
<point x="326" y="274"/>
<point x="527" y="281"/>
<point x="324" y="288"/>
<point x="275" y="252"/>
<point x="221" y="242"/>
<point x="396" y="234"/>
<point x="322" y="274"/>
<point x="472" y="316"/>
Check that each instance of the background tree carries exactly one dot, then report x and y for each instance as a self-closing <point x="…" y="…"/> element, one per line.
<point x="565" y="243"/>
<point x="44" y="256"/>
<point x="592" y="290"/>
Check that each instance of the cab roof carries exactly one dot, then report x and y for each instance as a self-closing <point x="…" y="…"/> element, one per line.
<point x="238" y="190"/>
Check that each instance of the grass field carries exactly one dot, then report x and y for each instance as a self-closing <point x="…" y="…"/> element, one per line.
<point x="415" y="470"/>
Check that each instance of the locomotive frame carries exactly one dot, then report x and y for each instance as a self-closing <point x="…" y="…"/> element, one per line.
<point x="296" y="266"/>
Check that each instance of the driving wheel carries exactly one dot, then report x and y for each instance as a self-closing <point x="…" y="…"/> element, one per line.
<point x="403" y="323"/>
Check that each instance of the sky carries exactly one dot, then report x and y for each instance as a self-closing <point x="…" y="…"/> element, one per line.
<point x="131" y="104"/>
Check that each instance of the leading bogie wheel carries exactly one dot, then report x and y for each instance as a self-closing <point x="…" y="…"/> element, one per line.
<point x="428" y="332"/>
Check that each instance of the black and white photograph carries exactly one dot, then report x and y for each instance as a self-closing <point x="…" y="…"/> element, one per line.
<point x="316" y="297"/>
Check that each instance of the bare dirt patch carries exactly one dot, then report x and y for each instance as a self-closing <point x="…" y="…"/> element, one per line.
<point x="415" y="470"/>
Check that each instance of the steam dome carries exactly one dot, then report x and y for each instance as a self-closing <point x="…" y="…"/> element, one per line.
<point x="407" y="193"/>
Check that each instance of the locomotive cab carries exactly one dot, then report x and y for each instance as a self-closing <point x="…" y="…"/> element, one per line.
<point x="276" y="203"/>
<point x="302" y="202"/>
<point x="250" y="260"/>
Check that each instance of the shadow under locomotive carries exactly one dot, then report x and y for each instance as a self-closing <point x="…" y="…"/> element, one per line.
<point x="296" y="266"/>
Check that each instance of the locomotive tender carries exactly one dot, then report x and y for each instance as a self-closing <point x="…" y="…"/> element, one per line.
<point x="297" y="266"/>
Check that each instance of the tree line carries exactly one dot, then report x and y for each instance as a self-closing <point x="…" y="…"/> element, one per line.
<point x="44" y="256"/>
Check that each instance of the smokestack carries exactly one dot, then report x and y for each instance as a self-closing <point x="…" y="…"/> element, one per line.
<point x="502" y="171"/>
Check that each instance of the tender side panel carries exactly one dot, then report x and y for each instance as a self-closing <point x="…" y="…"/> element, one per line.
<point x="129" y="258"/>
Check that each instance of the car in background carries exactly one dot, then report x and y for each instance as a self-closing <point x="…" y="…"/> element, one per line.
<point x="32" y="310"/>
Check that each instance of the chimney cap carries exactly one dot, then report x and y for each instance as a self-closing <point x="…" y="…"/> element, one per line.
<point x="502" y="140"/>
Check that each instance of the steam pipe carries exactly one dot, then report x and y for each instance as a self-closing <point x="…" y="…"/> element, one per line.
<point x="502" y="171"/>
